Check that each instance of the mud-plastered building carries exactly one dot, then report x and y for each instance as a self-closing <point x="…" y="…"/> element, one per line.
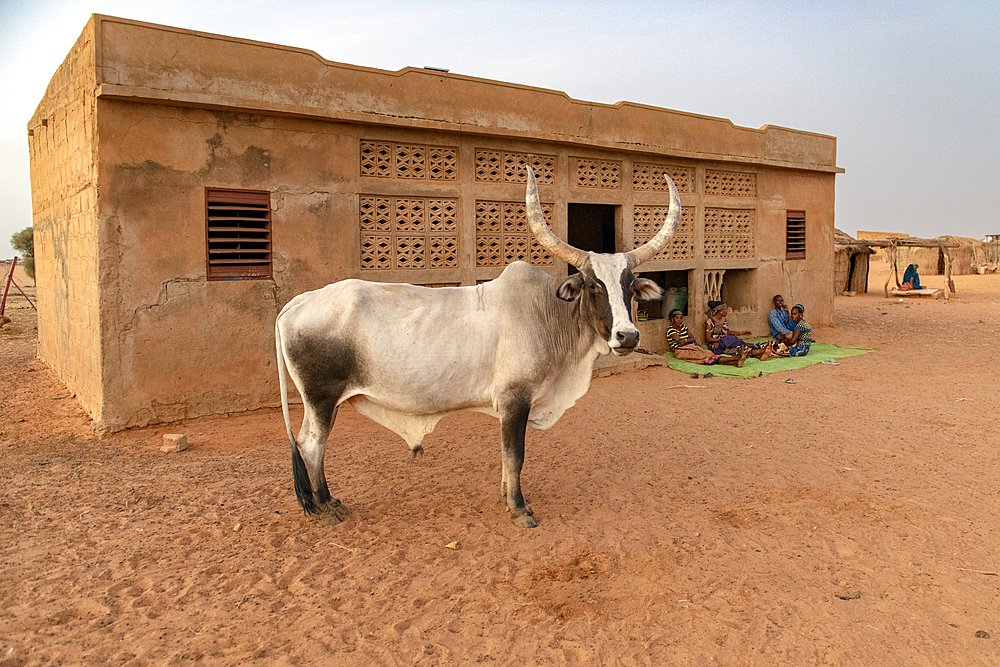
<point x="187" y="185"/>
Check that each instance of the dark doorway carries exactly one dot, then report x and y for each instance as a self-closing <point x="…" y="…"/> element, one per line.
<point x="591" y="227"/>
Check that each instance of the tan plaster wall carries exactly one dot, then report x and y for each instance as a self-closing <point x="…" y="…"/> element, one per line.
<point x="64" y="195"/>
<point x="805" y="281"/>
<point x="233" y="114"/>
<point x="213" y="340"/>
<point x="180" y="345"/>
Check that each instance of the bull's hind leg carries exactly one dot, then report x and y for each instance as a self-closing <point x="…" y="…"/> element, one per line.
<point x="513" y="422"/>
<point x="307" y="463"/>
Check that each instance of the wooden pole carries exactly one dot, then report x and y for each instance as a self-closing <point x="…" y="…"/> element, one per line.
<point x="947" y="273"/>
<point x="892" y="267"/>
<point x="10" y="277"/>
<point x="895" y="264"/>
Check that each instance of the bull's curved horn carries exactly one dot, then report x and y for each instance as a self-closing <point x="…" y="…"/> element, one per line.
<point x="536" y="221"/>
<point x="654" y="245"/>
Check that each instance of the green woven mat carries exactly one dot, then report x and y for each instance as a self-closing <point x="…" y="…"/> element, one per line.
<point x="818" y="353"/>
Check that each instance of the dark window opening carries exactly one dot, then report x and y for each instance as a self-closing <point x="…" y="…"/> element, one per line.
<point x="675" y="284"/>
<point x="795" y="234"/>
<point x="739" y="292"/>
<point x="238" y="236"/>
<point x="591" y="227"/>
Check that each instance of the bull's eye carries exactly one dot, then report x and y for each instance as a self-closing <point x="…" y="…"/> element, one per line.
<point x="595" y="288"/>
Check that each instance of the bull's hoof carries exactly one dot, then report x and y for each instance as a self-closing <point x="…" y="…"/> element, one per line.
<point x="523" y="518"/>
<point x="331" y="513"/>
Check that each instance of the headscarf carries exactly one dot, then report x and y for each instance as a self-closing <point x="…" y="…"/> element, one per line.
<point x="716" y="307"/>
<point x="670" y="315"/>
<point x="802" y="309"/>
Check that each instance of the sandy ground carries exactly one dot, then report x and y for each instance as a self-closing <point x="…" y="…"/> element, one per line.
<point x="846" y="519"/>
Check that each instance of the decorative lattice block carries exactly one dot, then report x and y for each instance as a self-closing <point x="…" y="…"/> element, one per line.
<point x="409" y="161"/>
<point x="598" y="174"/>
<point x="647" y="220"/>
<point x="376" y="159"/>
<point x="729" y="233"/>
<point x="730" y="183"/>
<point x="503" y="235"/>
<point x="651" y="177"/>
<point x="509" y="167"/>
<point x="408" y="233"/>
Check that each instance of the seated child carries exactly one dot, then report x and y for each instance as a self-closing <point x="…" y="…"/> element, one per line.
<point x="801" y="335"/>
<point x="801" y="338"/>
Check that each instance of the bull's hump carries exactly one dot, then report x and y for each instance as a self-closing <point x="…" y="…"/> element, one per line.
<point x="519" y="282"/>
<point x="522" y="271"/>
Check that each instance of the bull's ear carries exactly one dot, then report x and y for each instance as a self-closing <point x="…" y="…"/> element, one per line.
<point x="646" y="290"/>
<point x="571" y="287"/>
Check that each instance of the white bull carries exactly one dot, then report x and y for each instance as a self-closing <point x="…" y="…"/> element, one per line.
<point x="520" y="348"/>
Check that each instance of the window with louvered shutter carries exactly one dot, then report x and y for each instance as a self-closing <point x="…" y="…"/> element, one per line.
<point x="238" y="234"/>
<point x="795" y="234"/>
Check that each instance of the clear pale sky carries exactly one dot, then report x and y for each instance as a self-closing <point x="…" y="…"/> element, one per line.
<point x="911" y="90"/>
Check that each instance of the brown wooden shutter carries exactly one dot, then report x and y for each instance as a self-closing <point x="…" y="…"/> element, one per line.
<point x="795" y="234"/>
<point x="238" y="236"/>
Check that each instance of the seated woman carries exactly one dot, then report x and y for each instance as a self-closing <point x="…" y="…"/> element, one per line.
<point x="686" y="348"/>
<point x="911" y="279"/>
<point x="721" y="341"/>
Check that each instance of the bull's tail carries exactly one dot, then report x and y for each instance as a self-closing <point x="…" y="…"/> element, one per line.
<point x="283" y="380"/>
<point x="300" y="476"/>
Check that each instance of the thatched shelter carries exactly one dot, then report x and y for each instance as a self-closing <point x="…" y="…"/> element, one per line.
<point x="992" y="243"/>
<point x="850" y="263"/>
<point x="881" y="254"/>
<point x="968" y="253"/>
<point x="900" y="250"/>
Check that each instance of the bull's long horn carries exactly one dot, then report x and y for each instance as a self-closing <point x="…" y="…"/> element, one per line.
<point x="654" y="245"/>
<point x="536" y="221"/>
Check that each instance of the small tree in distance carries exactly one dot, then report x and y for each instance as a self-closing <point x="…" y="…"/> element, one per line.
<point x="24" y="242"/>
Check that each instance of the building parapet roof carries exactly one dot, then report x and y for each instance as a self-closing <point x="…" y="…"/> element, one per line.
<point x="159" y="64"/>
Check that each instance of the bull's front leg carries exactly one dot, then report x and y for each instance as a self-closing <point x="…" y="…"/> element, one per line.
<point x="513" y="423"/>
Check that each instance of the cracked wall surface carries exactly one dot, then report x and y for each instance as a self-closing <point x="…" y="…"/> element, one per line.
<point x="178" y="345"/>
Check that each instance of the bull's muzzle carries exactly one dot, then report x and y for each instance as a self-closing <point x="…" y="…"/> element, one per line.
<point x="624" y="341"/>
